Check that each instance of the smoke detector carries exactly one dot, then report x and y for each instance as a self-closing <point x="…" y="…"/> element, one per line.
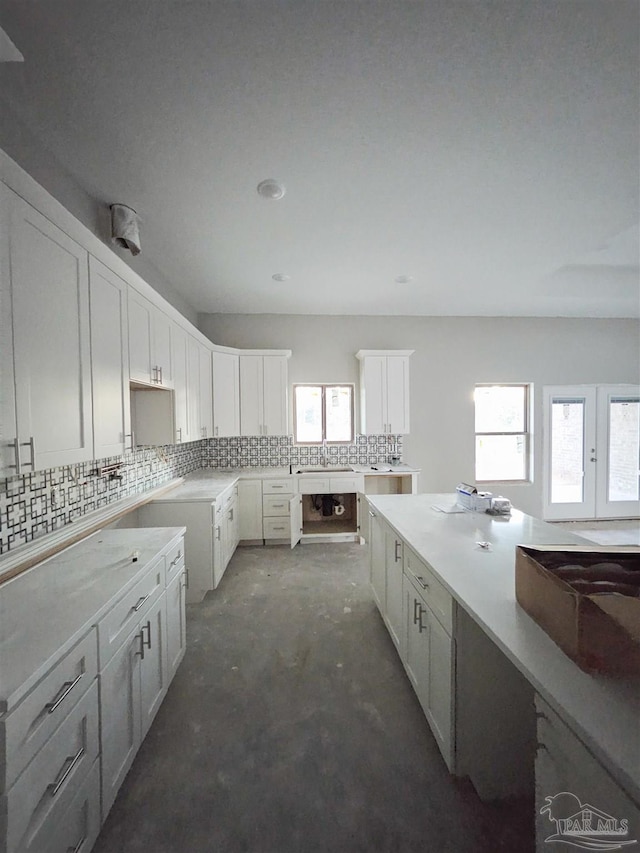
<point x="271" y="189"/>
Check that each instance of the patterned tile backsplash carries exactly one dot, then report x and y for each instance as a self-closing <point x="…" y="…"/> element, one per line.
<point x="39" y="503"/>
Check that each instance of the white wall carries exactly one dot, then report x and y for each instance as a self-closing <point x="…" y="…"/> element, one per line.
<point x="452" y="354"/>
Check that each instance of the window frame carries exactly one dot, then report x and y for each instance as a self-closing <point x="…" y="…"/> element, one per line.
<point x="526" y="434"/>
<point x="323" y="386"/>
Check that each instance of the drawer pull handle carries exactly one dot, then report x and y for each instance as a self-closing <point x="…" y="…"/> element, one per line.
<point x="140" y="602"/>
<point x="64" y="691"/>
<point x="276" y="487"/>
<point x="422" y="582"/>
<point x="372" y="513"/>
<point x="279" y="528"/>
<point x="176" y="559"/>
<point x="78" y="846"/>
<point x="71" y="762"/>
<point x="277" y="506"/>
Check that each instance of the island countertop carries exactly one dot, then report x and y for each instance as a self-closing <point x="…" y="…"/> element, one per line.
<point x="604" y="712"/>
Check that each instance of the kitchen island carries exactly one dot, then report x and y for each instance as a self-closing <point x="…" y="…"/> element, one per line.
<point x="493" y="645"/>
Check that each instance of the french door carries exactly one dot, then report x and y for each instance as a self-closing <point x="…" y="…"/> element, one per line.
<point x="591" y="442"/>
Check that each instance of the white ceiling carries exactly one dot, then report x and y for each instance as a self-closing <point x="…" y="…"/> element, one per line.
<point x="488" y="149"/>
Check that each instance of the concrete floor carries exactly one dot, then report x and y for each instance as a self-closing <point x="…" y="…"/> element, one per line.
<point x="291" y="727"/>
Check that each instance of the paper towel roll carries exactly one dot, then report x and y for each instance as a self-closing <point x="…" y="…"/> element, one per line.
<point x="339" y="509"/>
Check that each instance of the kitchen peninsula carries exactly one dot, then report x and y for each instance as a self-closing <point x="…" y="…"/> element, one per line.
<point x="506" y="697"/>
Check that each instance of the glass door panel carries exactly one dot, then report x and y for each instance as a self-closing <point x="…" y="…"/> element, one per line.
<point x="619" y="450"/>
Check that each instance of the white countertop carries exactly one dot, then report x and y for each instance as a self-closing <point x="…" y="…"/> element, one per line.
<point x="47" y="609"/>
<point x="604" y="712"/>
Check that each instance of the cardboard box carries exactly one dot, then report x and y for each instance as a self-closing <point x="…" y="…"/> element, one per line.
<point x="470" y="498"/>
<point x="600" y="632"/>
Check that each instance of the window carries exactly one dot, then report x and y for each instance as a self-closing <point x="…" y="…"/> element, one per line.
<point x="502" y="432"/>
<point x="323" y="413"/>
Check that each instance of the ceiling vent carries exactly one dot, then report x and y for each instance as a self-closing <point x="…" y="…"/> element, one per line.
<point x="271" y="189"/>
<point x="125" y="228"/>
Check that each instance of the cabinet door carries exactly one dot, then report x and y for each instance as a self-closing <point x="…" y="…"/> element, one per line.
<point x="8" y="433"/>
<point x="397" y="419"/>
<point x="226" y="394"/>
<point x="176" y="625"/>
<point x="440" y="687"/>
<point x="377" y="561"/>
<point x="393" y="595"/>
<point x="181" y="382"/>
<point x="275" y="395"/>
<point x="109" y="361"/>
<point x="250" y="509"/>
<point x="162" y="347"/>
<point x="153" y="666"/>
<point x="193" y="389"/>
<point x="205" y="393"/>
<point x="218" y="549"/>
<point x="373" y="391"/>
<point x="119" y="716"/>
<point x="295" y="518"/>
<point x="140" y="313"/>
<point x="50" y="293"/>
<point x="251" y="395"/>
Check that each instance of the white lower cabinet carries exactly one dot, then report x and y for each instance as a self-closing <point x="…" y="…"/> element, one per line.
<point x="132" y="686"/>
<point x="429" y="661"/>
<point x="377" y="566"/>
<point x="575" y="795"/>
<point x="276" y="512"/>
<point x="250" y="510"/>
<point x="393" y="547"/>
<point x="66" y="746"/>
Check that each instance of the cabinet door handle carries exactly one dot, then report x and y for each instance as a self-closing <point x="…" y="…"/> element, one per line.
<point x="421" y="627"/>
<point x="140" y="602"/>
<point x="186" y="578"/>
<point x="32" y="444"/>
<point x="179" y="430"/>
<point x="204" y="432"/>
<point x="160" y="372"/>
<point x="397" y="555"/>
<point x="218" y="533"/>
<point x="133" y="439"/>
<point x="146" y="642"/>
<point x="70" y="763"/>
<point x="62" y="694"/>
<point x="78" y="846"/>
<point x="416" y="604"/>
<point x="216" y="430"/>
<point x="16" y="449"/>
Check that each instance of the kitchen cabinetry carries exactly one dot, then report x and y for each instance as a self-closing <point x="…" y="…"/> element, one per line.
<point x="429" y="655"/>
<point x="205" y="392"/>
<point x="79" y="693"/>
<point x="176" y="622"/>
<point x="250" y="510"/>
<point x="230" y="528"/>
<point x="377" y="565"/>
<point x="384" y="391"/>
<point x="393" y="547"/>
<point x="327" y="506"/>
<point x="45" y="355"/>
<point x="226" y="394"/>
<point x="263" y="395"/>
<point x="568" y="778"/>
<point x="276" y="499"/>
<point x="150" y="357"/>
<point x="179" y="349"/>
<point x="109" y="362"/>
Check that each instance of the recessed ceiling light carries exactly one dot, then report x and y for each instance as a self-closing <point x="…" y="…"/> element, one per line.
<point x="403" y="279"/>
<point x="271" y="189"/>
<point x="280" y="276"/>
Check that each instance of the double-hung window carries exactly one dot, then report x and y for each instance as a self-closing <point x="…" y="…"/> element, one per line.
<point x="502" y="433"/>
<point x="323" y="413"/>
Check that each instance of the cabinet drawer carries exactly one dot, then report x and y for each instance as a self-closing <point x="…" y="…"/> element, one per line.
<point x="274" y="505"/>
<point x="175" y="561"/>
<point x="31" y="724"/>
<point x="276" y="528"/>
<point x="277" y="487"/>
<point x="430" y="588"/>
<point x="314" y="485"/>
<point x="79" y="827"/>
<point x="346" y="485"/>
<point x="116" y="626"/>
<point x="48" y="786"/>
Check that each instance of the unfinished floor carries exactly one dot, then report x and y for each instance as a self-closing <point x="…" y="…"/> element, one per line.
<point x="291" y="727"/>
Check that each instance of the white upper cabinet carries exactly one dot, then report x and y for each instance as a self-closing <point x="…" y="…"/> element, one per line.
<point x="206" y="392"/>
<point x="226" y="394"/>
<point x="109" y="361"/>
<point x="181" y="383"/>
<point x="263" y="395"/>
<point x="8" y="431"/>
<point x="150" y="354"/>
<point x="49" y="288"/>
<point x="384" y="391"/>
<point x="193" y="389"/>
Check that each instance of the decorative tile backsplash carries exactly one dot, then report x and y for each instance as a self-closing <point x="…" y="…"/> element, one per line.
<point x="39" y="503"/>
